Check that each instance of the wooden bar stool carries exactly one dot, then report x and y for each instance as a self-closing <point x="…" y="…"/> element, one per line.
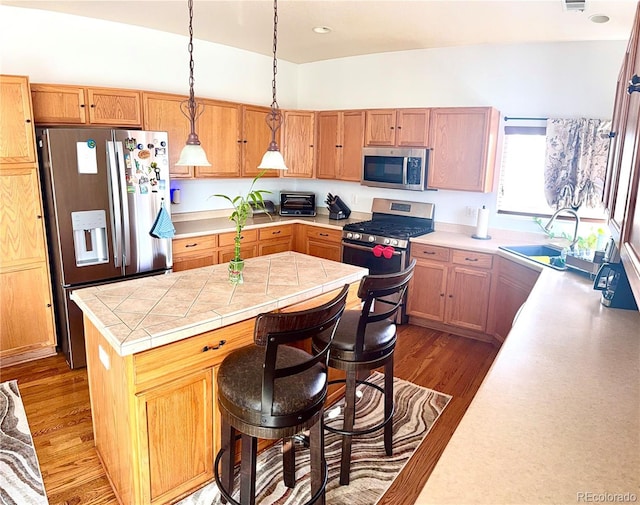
<point x="365" y="340"/>
<point x="272" y="390"/>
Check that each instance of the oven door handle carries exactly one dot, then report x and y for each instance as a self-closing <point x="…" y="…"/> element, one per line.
<point x="367" y="248"/>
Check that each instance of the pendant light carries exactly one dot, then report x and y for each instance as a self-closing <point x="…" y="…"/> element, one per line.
<point x="273" y="159"/>
<point x="192" y="153"/>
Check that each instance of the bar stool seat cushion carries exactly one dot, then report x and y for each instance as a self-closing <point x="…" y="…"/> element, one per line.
<point x="378" y="335"/>
<point x="240" y="387"/>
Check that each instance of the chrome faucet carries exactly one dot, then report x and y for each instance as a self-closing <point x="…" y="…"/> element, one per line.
<point x="569" y="210"/>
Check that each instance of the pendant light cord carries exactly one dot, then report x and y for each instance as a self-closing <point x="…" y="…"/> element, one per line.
<point x="274" y="104"/>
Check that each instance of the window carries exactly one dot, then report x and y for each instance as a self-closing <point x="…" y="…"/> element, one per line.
<point x="521" y="186"/>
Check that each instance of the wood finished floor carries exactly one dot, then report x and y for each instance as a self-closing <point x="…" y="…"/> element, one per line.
<point x="56" y="401"/>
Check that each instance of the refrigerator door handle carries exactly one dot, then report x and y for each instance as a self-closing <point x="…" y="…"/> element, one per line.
<point x="126" y="233"/>
<point x="115" y="202"/>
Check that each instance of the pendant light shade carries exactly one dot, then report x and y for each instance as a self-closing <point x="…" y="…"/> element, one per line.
<point x="273" y="159"/>
<point x="192" y="153"/>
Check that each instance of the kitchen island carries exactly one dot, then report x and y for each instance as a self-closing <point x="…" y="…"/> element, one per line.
<point x="153" y="349"/>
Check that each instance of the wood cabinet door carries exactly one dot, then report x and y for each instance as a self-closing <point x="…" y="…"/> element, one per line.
<point x="328" y="152"/>
<point x="175" y="430"/>
<point x="256" y="137"/>
<point x="412" y="128"/>
<point x="463" y="142"/>
<point x="427" y="290"/>
<point x="162" y="113"/>
<point x="510" y="288"/>
<point x="323" y="242"/>
<point x="26" y="314"/>
<point x="22" y="238"/>
<point x="16" y="123"/>
<point x="380" y="127"/>
<point x="58" y="104"/>
<point x="219" y="133"/>
<point x="353" y="124"/>
<point x="298" y="149"/>
<point x="114" y="107"/>
<point x="468" y="298"/>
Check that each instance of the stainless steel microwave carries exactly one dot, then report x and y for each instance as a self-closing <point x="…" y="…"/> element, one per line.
<point x="395" y="167"/>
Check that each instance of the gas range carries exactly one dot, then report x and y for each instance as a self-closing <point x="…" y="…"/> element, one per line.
<point x="393" y="223"/>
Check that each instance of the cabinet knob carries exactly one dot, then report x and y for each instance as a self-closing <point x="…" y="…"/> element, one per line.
<point x="450" y="296"/>
<point x="399" y="127"/>
<point x="92" y="106"/>
<point x="27" y="121"/>
<point x="38" y="216"/>
<point x="82" y="106"/>
<point x="213" y="347"/>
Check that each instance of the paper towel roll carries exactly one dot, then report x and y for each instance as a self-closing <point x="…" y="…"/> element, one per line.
<point x="175" y="196"/>
<point x="483" y="223"/>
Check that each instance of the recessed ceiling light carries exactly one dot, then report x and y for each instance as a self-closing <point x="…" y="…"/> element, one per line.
<point x="599" y="18"/>
<point x="321" y="29"/>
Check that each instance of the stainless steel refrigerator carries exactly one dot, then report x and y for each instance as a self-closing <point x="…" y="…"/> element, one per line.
<point x="102" y="192"/>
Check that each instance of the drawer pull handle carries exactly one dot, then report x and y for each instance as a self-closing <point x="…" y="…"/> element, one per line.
<point x="276" y="232"/>
<point x="471" y="259"/>
<point x="213" y="347"/>
<point x="428" y="252"/>
<point x="192" y="245"/>
<point x="323" y="234"/>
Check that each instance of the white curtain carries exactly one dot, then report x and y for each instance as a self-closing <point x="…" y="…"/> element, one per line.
<point x="576" y="162"/>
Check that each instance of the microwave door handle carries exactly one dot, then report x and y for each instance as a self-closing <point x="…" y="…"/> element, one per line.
<point x="405" y="169"/>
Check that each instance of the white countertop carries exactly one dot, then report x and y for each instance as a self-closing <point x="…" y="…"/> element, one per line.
<point x="139" y="314"/>
<point x="558" y="414"/>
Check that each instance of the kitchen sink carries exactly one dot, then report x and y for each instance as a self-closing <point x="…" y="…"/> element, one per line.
<point x="542" y="254"/>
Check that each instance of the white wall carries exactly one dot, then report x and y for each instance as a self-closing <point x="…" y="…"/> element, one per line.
<point x="540" y="80"/>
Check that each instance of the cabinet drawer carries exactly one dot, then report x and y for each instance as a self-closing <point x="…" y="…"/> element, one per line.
<point x="327" y="234"/>
<point x="472" y="258"/>
<point x="201" y="351"/>
<point x="193" y="245"/>
<point x="430" y="252"/>
<point x="225" y="239"/>
<point x="271" y="232"/>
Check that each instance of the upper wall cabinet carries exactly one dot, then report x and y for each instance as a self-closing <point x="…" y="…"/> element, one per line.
<point x="256" y="137"/>
<point x="397" y="127"/>
<point x="62" y="105"/>
<point x="218" y="128"/>
<point x="162" y="113"/>
<point x="298" y="134"/>
<point x="339" y="145"/>
<point x="219" y="131"/>
<point x="463" y="143"/>
<point x="16" y="127"/>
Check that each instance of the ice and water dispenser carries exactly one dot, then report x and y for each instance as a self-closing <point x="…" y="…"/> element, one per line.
<point x="90" y="237"/>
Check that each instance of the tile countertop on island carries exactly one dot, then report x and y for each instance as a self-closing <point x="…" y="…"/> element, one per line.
<point x="139" y="314"/>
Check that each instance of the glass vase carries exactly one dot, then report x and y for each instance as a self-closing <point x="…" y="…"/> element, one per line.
<point x="236" y="268"/>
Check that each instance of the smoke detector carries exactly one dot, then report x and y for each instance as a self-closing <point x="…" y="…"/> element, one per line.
<point x="574" y="5"/>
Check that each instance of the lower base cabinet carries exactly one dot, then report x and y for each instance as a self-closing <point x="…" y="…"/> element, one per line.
<point x="450" y="290"/>
<point x="323" y="242"/>
<point x="511" y="286"/>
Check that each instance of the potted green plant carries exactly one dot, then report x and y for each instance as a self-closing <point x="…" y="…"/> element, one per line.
<point x="242" y="210"/>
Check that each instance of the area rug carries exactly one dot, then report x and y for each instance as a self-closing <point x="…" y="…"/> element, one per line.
<point x="20" y="477"/>
<point x="372" y="471"/>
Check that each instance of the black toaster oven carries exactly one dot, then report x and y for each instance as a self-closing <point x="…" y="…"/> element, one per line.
<point x="297" y="203"/>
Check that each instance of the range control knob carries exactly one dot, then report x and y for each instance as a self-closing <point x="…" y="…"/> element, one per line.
<point x="394" y="242"/>
<point x="349" y="234"/>
<point x="356" y="236"/>
<point x="387" y="241"/>
<point x="372" y="238"/>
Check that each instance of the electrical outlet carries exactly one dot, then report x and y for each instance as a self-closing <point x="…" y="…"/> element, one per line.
<point x="470" y="211"/>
